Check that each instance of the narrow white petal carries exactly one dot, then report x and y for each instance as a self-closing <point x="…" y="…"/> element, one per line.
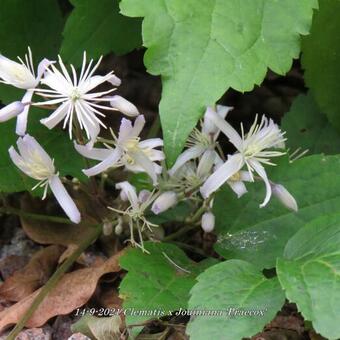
<point x="125" y="130"/>
<point x="186" y="156"/>
<point x="226" y="128"/>
<point x="92" y="153"/>
<point x="238" y="187"/>
<point x="21" y="125"/>
<point x="138" y="126"/>
<point x="11" y="110"/>
<point x="64" y="199"/>
<point x="124" y="106"/>
<point x="43" y="65"/>
<point x="105" y="164"/>
<point x="206" y="163"/>
<point x="57" y="116"/>
<point x="141" y="159"/>
<point x="222" y="174"/>
<point x="114" y="80"/>
<point x="151" y="143"/>
<point x="129" y="191"/>
<point x="262" y="173"/>
<point x="17" y="159"/>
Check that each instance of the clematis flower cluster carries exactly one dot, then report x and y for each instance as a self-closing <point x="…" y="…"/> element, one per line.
<point x="199" y="172"/>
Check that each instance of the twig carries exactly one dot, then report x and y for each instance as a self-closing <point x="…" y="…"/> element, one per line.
<point x="52" y="282"/>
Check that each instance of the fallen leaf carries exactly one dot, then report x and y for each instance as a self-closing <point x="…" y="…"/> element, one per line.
<point x="11" y="264"/>
<point x="72" y="291"/>
<point x="100" y="328"/>
<point x="44" y="333"/>
<point x="34" y="275"/>
<point x="46" y="232"/>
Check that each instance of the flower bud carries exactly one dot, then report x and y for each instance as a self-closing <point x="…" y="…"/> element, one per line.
<point x="11" y="110"/>
<point x="165" y="201"/>
<point x="284" y="196"/>
<point x="119" y="227"/>
<point x="208" y="222"/>
<point x="124" y="106"/>
<point x="143" y="195"/>
<point x="107" y="228"/>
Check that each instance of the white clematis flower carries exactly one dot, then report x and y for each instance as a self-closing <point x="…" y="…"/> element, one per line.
<point x="202" y="141"/>
<point x="22" y="76"/>
<point x="75" y="99"/>
<point x="129" y="151"/>
<point x="251" y="152"/>
<point x="33" y="160"/>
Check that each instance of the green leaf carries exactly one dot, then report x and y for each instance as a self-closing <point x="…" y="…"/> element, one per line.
<point x="154" y="283"/>
<point x="321" y="52"/>
<point x="202" y="48"/>
<point x="55" y="142"/>
<point x="310" y="273"/>
<point x="233" y="287"/>
<point x="307" y="128"/>
<point x="259" y="235"/>
<point x="34" y="23"/>
<point x="98" y="28"/>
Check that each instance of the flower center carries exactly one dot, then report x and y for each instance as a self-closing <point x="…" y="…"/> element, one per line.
<point x="132" y="144"/>
<point x="75" y="95"/>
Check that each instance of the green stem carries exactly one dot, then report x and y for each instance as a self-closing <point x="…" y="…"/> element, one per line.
<point x="52" y="282"/>
<point x="14" y="211"/>
<point x="179" y="232"/>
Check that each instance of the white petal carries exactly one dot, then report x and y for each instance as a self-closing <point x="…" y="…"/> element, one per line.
<point x="124" y="106"/>
<point x="105" y="164"/>
<point x="164" y="202"/>
<point x="114" y="80"/>
<point x="125" y="130"/>
<point x="64" y="199"/>
<point x="208" y="222"/>
<point x="284" y="196"/>
<point x="144" y="195"/>
<point x="246" y="177"/>
<point x="262" y="173"/>
<point x="43" y="65"/>
<point x="57" y="116"/>
<point x="206" y="163"/>
<point x="92" y="153"/>
<point x="138" y="126"/>
<point x="17" y="159"/>
<point x="222" y="174"/>
<point x="151" y="143"/>
<point x="129" y="191"/>
<point x="155" y="155"/>
<point x="11" y="110"/>
<point x="186" y="156"/>
<point x="141" y="159"/>
<point x="238" y="187"/>
<point x="226" y="128"/>
<point x="21" y="125"/>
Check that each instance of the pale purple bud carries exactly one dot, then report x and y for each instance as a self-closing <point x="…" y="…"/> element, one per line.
<point x="284" y="196"/>
<point x="208" y="222"/>
<point x="124" y="106"/>
<point x="11" y="110"/>
<point x="143" y="195"/>
<point x="165" y="201"/>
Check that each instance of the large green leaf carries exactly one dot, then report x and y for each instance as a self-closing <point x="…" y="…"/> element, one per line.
<point x="98" y="28"/>
<point x="203" y="47"/>
<point x="307" y="128"/>
<point x="232" y="288"/>
<point x="310" y="273"/>
<point x="34" y="23"/>
<point x="321" y="53"/>
<point x="154" y="283"/>
<point x="259" y="235"/>
<point x="56" y="143"/>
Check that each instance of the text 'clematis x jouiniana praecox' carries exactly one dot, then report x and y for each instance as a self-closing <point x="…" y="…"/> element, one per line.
<point x="20" y="75"/>
<point x="33" y="160"/>
<point x="129" y="151"/>
<point x="252" y="150"/>
<point x="77" y="104"/>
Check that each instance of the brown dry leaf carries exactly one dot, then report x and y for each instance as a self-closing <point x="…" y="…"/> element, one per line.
<point x="35" y="274"/>
<point x="45" y="232"/>
<point x="11" y="264"/>
<point x="72" y="291"/>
